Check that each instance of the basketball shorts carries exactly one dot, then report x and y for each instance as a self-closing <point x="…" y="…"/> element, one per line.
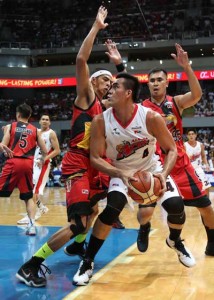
<point x="82" y="182"/>
<point x="189" y="183"/>
<point x="17" y="172"/>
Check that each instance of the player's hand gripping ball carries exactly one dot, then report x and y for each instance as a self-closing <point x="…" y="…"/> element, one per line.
<point x="146" y="190"/>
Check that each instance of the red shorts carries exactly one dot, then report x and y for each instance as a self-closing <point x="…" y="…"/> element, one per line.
<point x="83" y="182"/>
<point x="17" y="172"/>
<point x="189" y="183"/>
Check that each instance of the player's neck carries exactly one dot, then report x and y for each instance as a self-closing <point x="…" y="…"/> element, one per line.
<point x="44" y="129"/>
<point x="158" y="100"/>
<point x="192" y="143"/>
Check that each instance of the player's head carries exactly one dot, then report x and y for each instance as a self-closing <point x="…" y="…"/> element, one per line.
<point x="45" y="121"/>
<point x="101" y="81"/>
<point x="127" y="83"/>
<point x="157" y="82"/>
<point x="191" y="134"/>
<point x="23" y="111"/>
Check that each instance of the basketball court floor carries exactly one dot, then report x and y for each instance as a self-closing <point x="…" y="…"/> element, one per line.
<point x="121" y="271"/>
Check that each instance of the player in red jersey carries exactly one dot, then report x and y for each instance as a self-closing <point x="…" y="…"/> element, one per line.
<point x="183" y="173"/>
<point x="84" y="185"/>
<point x="22" y="138"/>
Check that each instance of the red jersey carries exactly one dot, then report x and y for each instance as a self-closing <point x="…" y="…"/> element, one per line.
<point x="81" y="123"/>
<point x="23" y="139"/>
<point x="169" y="110"/>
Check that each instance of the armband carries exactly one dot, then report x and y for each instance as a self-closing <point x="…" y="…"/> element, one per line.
<point x="120" y="67"/>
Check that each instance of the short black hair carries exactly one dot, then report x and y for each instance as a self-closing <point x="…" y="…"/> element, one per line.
<point x="44" y="115"/>
<point x="25" y="110"/>
<point x="191" y="129"/>
<point x="156" y="70"/>
<point x="131" y="83"/>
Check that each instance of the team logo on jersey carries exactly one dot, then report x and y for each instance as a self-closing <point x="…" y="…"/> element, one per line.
<point x="85" y="192"/>
<point x="116" y="131"/>
<point x="127" y="149"/>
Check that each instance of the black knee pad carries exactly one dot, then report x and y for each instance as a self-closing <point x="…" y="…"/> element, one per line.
<point x="78" y="227"/>
<point x="175" y="209"/>
<point x="115" y="204"/>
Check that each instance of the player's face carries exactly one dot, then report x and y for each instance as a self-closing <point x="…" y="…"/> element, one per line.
<point x="117" y="93"/>
<point x="103" y="84"/>
<point x="158" y="84"/>
<point x="191" y="136"/>
<point x="45" y="122"/>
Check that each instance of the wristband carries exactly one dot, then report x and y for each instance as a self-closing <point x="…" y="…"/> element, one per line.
<point x="120" y="67"/>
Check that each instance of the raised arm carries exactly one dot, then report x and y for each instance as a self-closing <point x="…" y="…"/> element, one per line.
<point x="85" y="92"/>
<point x="192" y="97"/>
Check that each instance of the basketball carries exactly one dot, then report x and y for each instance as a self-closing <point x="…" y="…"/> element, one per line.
<point x="146" y="190"/>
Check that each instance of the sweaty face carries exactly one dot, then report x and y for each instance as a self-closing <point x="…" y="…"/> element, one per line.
<point x="158" y="84"/>
<point x="45" y="122"/>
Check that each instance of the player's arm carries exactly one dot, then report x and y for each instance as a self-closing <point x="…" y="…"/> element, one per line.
<point x="98" y="150"/>
<point x="55" y="146"/>
<point x="85" y="92"/>
<point x="5" y="142"/>
<point x="191" y="98"/>
<point x="41" y="145"/>
<point x="204" y="158"/>
<point x="157" y="127"/>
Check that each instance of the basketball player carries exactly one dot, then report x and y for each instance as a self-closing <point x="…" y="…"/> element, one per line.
<point x="83" y="184"/>
<point x="183" y="172"/>
<point x="22" y="138"/>
<point x="127" y="132"/>
<point x="41" y="170"/>
<point x="195" y="151"/>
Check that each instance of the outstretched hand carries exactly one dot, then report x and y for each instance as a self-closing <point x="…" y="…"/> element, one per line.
<point x="113" y="53"/>
<point x="181" y="57"/>
<point x="101" y="16"/>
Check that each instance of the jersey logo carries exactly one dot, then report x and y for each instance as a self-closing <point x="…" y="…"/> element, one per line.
<point x="127" y="149"/>
<point x="116" y="131"/>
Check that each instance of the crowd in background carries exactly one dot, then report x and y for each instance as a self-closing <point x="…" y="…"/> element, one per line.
<point x="70" y="21"/>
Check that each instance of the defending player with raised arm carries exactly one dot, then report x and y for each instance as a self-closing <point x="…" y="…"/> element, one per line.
<point x="84" y="185"/>
<point x="183" y="173"/>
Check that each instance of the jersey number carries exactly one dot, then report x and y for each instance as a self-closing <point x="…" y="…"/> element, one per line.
<point x="23" y="140"/>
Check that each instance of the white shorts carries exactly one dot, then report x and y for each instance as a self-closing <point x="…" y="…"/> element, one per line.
<point x="203" y="178"/>
<point x="40" y="178"/>
<point x="116" y="184"/>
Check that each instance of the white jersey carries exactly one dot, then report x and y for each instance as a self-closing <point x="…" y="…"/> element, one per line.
<point x="195" y="157"/>
<point x="194" y="153"/>
<point x="45" y="135"/>
<point x="131" y="147"/>
<point x="40" y="175"/>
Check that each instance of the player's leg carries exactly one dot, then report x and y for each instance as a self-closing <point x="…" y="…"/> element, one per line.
<point x="78" y="212"/>
<point x="144" y="216"/>
<point x="116" y="200"/>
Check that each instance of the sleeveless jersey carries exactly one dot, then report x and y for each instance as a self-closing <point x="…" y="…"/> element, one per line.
<point x="45" y="135"/>
<point x="81" y="124"/>
<point x="194" y="154"/>
<point x="169" y="111"/>
<point x="23" y="139"/>
<point x="131" y="147"/>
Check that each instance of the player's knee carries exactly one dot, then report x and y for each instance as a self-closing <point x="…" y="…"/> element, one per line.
<point x="78" y="227"/>
<point x="115" y="204"/>
<point x="175" y="209"/>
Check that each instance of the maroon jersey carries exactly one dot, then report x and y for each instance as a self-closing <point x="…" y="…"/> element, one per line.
<point x="169" y="110"/>
<point x="80" y="124"/>
<point x="23" y="139"/>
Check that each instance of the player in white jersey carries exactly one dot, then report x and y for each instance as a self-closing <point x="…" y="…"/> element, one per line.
<point x="41" y="169"/>
<point x="127" y="134"/>
<point x="195" y="151"/>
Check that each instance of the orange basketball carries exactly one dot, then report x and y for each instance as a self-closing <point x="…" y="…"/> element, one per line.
<point x="146" y="190"/>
